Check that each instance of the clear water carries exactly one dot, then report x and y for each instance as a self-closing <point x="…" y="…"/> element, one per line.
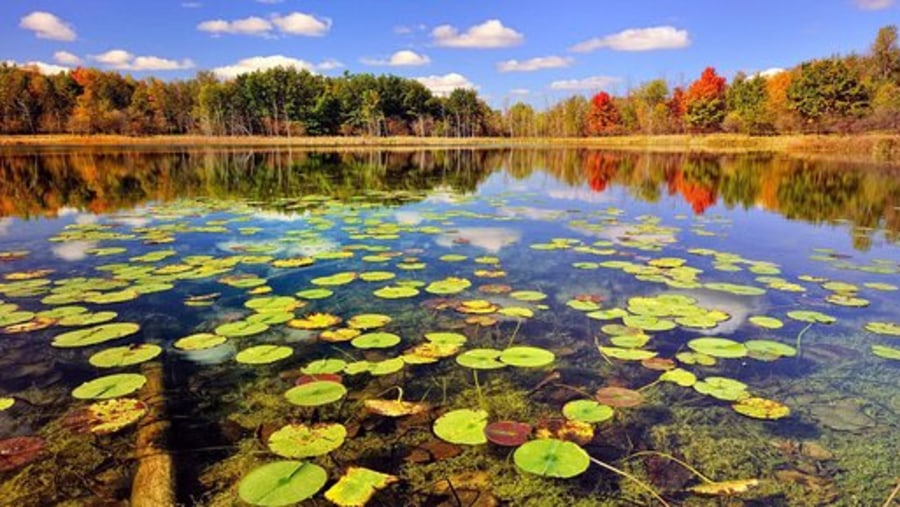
<point x="521" y="218"/>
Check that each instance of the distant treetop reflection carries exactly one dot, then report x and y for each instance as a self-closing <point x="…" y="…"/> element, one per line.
<point x="42" y="183"/>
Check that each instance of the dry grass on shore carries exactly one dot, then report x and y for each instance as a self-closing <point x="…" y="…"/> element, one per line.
<point x="864" y="147"/>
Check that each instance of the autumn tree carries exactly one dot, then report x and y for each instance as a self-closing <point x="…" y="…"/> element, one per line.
<point x="705" y="101"/>
<point x="747" y="104"/>
<point x="521" y="120"/>
<point x="884" y="56"/>
<point x="677" y="106"/>
<point x="826" y="91"/>
<point x="603" y="118"/>
<point x="650" y="106"/>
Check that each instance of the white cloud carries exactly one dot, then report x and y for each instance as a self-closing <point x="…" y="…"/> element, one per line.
<point x="47" y="26"/>
<point x="42" y="67"/>
<point x="443" y="85"/>
<point x="519" y="91"/>
<point x="585" y="84"/>
<point x="73" y="250"/>
<point x="269" y="62"/>
<point x="120" y="59"/>
<point x="298" y="23"/>
<point x="532" y="64"/>
<point x="294" y="23"/>
<point x="66" y="58"/>
<point x="490" y="34"/>
<point x="5" y="224"/>
<point x="772" y="71"/>
<point x="874" y="5"/>
<point x="402" y="58"/>
<point x="248" y="26"/>
<point x="637" y="39"/>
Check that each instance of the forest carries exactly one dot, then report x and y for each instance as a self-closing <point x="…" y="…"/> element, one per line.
<point x="836" y="94"/>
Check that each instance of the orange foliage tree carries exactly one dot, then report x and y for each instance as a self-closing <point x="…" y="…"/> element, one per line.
<point x="603" y="118"/>
<point x="706" y="101"/>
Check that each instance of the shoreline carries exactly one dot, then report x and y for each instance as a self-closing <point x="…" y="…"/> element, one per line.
<point x="877" y="148"/>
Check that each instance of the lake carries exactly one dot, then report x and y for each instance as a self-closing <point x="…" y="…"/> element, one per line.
<point x="448" y="327"/>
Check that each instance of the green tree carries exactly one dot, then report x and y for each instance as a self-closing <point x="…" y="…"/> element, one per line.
<point x="825" y="91"/>
<point x="747" y="104"/>
<point x="884" y="56"/>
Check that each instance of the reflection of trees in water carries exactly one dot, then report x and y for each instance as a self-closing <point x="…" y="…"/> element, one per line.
<point x="107" y="180"/>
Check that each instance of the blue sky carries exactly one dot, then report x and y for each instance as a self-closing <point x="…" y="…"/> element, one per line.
<point x="510" y="50"/>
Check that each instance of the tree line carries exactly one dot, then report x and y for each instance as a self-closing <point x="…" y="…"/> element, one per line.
<point x="851" y="93"/>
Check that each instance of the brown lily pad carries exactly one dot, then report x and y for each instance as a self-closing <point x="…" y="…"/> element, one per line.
<point x="725" y="488"/>
<point x="329" y="377"/>
<point x="395" y="408"/>
<point x="658" y="364"/>
<point x="619" y="397"/>
<point x="19" y="451"/>
<point x="578" y="432"/>
<point x="507" y="433"/>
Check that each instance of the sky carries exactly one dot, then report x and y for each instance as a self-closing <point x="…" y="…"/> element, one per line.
<point x="509" y="50"/>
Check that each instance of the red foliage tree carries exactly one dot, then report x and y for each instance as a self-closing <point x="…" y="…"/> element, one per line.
<point x="603" y="119"/>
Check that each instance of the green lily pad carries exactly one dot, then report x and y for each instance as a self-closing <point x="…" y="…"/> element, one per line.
<point x="516" y="311"/>
<point x="610" y="314"/>
<point x="885" y="352"/>
<point x="282" y="483"/>
<point x="315" y="293"/>
<point x="320" y="392"/>
<point x="552" y="458"/>
<point x="117" y="357"/>
<point x="270" y="318"/>
<point x="336" y="279"/>
<point x="356" y="487"/>
<point x="199" y="341"/>
<point x="450" y="285"/>
<point x="885" y="328"/>
<point x="582" y="306"/>
<point x="272" y="304"/>
<point x="526" y="357"/>
<point x="464" y="427"/>
<point x="446" y="339"/>
<point x="528" y="295"/>
<point x="95" y="335"/>
<point x="766" y="322"/>
<point x="13" y="318"/>
<point x="6" y="403"/>
<point x="739" y="290"/>
<point x="62" y="311"/>
<point x="263" y="354"/>
<point x="241" y="328"/>
<point x="718" y="347"/>
<point x="307" y="441"/>
<point x="110" y="386"/>
<point x="812" y="317"/>
<point x="87" y="319"/>
<point x="847" y="300"/>
<point x="321" y="366"/>
<point x="396" y="292"/>
<point x="695" y="358"/>
<point x="377" y="276"/>
<point x="453" y="258"/>
<point x="648" y="323"/>
<point x="588" y="411"/>
<point x="375" y="341"/>
<point x="761" y="408"/>
<point x="481" y="359"/>
<point x="886" y="287"/>
<point x="770" y="348"/>
<point x="722" y="388"/>
<point x="627" y="354"/>
<point x="368" y="321"/>
<point x="679" y="376"/>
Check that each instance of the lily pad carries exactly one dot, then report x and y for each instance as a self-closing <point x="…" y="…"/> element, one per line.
<point x="395" y="408"/>
<point x="679" y="376"/>
<point x="761" y="408"/>
<point x="464" y="427"/>
<point x="587" y="411"/>
<point x="812" y="317"/>
<point x="718" y="347"/>
<point x="396" y="292"/>
<point x="324" y="366"/>
<point x="627" y="354"/>
<point x="306" y="441"/>
<point x="333" y="280"/>
<point x="357" y="486"/>
<point x="377" y="276"/>
<point x="199" y="341"/>
<point x="375" y="341"/>
<point x="95" y="335"/>
<point x="110" y="386"/>
<point x="263" y="354"/>
<point x="446" y="339"/>
<point x="885" y="352"/>
<point x="315" y="293"/>
<point x="241" y="328"/>
<point x="528" y="295"/>
<point x="450" y="285"/>
<point x="87" y="319"/>
<point x="368" y="321"/>
<point x="552" y="458"/>
<point x="725" y="488"/>
<point x="764" y="348"/>
<point x="315" y="321"/>
<point x="481" y="359"/>
<point x="316" y="393"/>
<point x="507" y="433"/>
<point x="526" y="357"/>
<point x="516" y="311"/>
<point x="282" y="483"/>
<point x="722" y="388"/>
<point x="619" y="397"/>
<point x="117" y="357"/>
<point x="6" y="403"/>
<point x="885" y="328"/>
<point x="766" y="322"/>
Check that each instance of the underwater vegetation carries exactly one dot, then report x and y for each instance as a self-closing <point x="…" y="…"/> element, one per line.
<point x="434" y="347"/>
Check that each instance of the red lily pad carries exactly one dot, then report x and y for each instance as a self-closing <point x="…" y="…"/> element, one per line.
<point x="619" y="397"/>
<point x="20" y="451"/>
<point x="507" y="433"/>
<point x="329" y="377"/>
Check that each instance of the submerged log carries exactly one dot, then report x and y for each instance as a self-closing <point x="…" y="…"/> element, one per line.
<point x="153" y="484"/>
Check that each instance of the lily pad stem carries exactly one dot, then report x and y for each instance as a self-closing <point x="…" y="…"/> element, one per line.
<point x="515" y="332"/>
<point x="344" y="352"/>
<point x="632" y="478"/>
<point x="800" y="337"/>
<point x="676" y="460"/>
<point x="887" y="503"/>
<point x="478" y="389"/>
